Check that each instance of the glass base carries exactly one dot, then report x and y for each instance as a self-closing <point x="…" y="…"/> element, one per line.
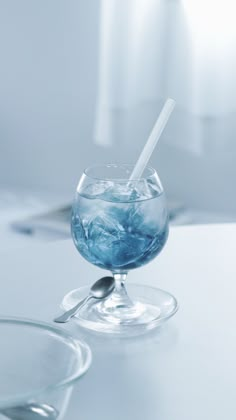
<point x="149" y="308"/>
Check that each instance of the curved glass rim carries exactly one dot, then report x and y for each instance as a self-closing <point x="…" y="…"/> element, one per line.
<point x="68" y="381"/>
<point x="102" y="165"/>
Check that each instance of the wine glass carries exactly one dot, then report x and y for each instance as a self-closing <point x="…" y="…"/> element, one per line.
<point x="119" y="225"/>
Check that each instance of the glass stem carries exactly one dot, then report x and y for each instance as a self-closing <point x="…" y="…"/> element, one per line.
<point x="120" y="296"/>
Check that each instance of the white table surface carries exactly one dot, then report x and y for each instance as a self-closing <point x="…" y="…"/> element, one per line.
<point x="185" y="370"/>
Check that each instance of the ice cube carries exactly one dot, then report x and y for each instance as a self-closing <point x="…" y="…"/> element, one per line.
<point x="154" y="190"/>
<point x="138" y="220"/>
<point x="117" y="237"/>
<point x="96" y="189"/>
<point x="118" y="192"/>
<point x="139" y="190"/>
<point x="134" y="195"/>
<point x="103" y="230"/>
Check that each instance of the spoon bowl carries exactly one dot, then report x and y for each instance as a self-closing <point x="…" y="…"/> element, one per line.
<point x="99" y="290"/>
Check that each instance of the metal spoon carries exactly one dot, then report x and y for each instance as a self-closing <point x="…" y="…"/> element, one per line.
<point x="31" y="411"/>
<point x="99" y="290"/>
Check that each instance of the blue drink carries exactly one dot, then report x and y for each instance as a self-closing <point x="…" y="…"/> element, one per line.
<point x="119" y="223"/>
<point x="119" y="227"/>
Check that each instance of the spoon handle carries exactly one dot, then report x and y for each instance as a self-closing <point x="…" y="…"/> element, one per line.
<point x="73" y="311"/>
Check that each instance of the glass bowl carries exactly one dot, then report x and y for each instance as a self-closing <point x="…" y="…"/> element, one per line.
<point x="39" y="365"/>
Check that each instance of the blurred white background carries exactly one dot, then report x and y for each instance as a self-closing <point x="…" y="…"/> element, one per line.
<point x="82" y="81"/>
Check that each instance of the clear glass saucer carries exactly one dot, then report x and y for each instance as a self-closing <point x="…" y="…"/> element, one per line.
<point x="153" y="307"/>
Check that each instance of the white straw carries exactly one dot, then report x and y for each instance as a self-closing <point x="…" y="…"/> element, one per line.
<point x="153" y="139"/>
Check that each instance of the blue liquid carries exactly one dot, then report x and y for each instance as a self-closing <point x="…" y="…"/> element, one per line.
<point x="119" y="234"/>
